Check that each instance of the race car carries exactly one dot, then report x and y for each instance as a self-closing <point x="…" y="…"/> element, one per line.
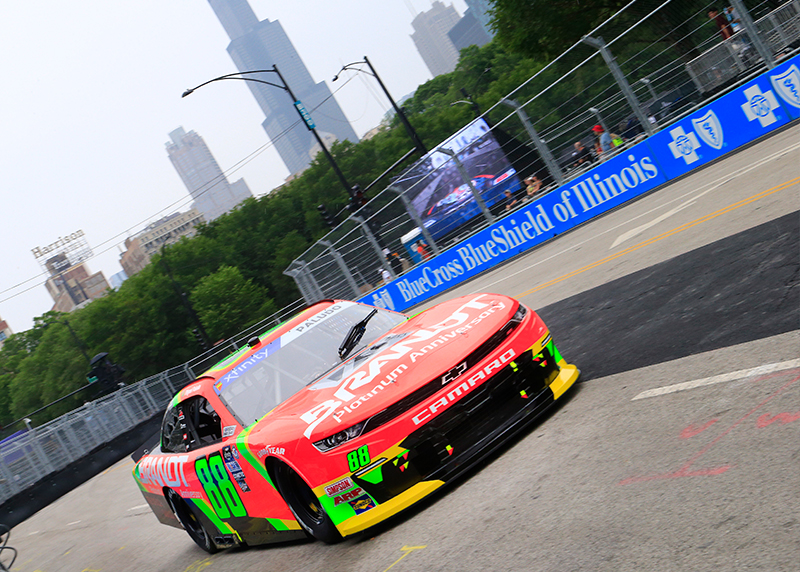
<point x="345" y="415"/>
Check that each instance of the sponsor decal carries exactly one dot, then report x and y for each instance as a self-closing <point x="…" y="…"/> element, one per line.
<point x="709" y="129"/>
<point x="162" y="471"/>
<point x="228" y="431"/>
<point x="235" y="468"/>
<point x="463" y="388"/>
<point x="382" y="299"/>
<point x="760" y="106"/>
<point x="191" y="494"/>
<point x="339" y="486"/>
<point x="269" y="450"/>
<point x="191" y="390"/>
<point x="684" y="145"/>
<point x="787" y="85"/>
<point x="348" y="496"/>
<point x="362" y="504"/>
<point x="374" y="376"/>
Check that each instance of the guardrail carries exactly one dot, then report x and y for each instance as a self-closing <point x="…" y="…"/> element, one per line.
<point x="29" y="456"/>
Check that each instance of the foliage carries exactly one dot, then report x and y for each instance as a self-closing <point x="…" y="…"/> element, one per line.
<point x="232" y="271"/>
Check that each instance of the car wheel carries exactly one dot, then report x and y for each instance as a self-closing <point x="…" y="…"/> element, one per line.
<point x="190" y="522"/>
<point x="305" y="507"/>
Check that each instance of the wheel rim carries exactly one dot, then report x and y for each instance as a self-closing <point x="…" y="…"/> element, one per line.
<point x="305" y="502"/>
<point x="186" y="517"/>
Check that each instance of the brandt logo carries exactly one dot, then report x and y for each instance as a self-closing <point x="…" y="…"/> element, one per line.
<point x="760" y="105"/>
<point x="787" y="85"/>
<point x="709" y="129"/>
<point x="683" y="145"/>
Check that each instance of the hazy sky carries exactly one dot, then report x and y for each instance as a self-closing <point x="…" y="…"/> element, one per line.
<point x="92" y="89"/>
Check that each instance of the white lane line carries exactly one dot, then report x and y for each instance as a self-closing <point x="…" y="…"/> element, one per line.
<point x="73" y="522"/>
<point x="733" y="376"/>
<point x="137" y="507"/>
<point x="32" y="533"/>
<point x="640" y="229"/>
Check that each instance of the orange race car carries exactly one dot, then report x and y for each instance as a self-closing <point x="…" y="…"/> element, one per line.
<point x="345" y="415"/>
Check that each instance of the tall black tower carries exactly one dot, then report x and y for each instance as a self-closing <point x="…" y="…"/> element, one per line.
<point x="260" y="45"/>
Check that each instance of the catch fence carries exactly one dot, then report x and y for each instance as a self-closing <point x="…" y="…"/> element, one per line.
<point x="468" y="182"/>
<point x="633" y="84"/>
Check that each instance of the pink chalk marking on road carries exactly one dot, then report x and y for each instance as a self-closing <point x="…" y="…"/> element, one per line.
<point x="782" y="418"/>
<point x="693" y="430"/>
<point x="684" y="470"/>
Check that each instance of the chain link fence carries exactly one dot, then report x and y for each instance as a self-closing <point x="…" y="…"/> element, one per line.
<point x="591" y="103"/>
<point x="35" y="452"/>
<point x="465" y="184"/>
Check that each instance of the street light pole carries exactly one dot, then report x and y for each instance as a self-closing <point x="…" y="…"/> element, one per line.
<point x="297" y="105"/>
<point x="403" y="119"/>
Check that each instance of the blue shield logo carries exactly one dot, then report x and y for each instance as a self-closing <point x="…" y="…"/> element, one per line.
<point x="709" y="129"/>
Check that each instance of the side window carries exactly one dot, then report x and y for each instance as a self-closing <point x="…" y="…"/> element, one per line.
<point x="171" y="432"/>
<point x="190" y="425"/>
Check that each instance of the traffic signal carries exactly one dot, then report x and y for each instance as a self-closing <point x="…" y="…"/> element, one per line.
<point x="326" y="216"/>
<point x="200" y="341"/>
<point x="358" y="197"/>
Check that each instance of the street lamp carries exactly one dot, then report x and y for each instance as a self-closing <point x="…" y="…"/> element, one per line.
<point x="411" y="133"/>
<point x="301" y="110"/>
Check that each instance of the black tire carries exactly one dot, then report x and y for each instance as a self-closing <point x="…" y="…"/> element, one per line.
<point x="194" y="528"/>
<point x="305" y="507"/>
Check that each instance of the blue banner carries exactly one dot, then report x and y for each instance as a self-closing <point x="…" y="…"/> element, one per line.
<point x="785" y="80"/>
<point x="737" y="118"/>
<point x="731" y="121"/>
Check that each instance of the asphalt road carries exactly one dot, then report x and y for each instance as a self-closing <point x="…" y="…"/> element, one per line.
<point x="678" y="450"/>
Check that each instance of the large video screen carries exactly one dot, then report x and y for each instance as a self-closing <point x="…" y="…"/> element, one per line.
<point x="437" y="190"/>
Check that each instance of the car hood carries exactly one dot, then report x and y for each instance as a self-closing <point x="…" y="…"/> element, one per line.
<point x="421" y="349"/>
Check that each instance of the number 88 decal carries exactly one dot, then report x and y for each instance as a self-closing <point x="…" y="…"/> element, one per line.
<point x="218" y="487"/>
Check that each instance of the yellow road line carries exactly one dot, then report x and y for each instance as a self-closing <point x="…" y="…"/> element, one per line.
<point x="667" y="234"/>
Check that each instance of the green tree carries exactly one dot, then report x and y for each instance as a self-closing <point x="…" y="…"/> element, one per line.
<point x="227" y="303"/>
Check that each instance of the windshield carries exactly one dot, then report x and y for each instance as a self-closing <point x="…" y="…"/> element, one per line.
<point x="302" y="355"/>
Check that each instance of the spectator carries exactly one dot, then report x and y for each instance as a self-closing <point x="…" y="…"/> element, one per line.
<point x="733" y="17"/>
<point x="581" y="155"/>
<point x="386" y="276"/>
<point x="604" y="143"/>
<point x="423" y="251"/>
<point x="722" y="23"/>
<point x="395" y="262"/>
<point x="510" y="200"/>
<point x="533" y="185"/>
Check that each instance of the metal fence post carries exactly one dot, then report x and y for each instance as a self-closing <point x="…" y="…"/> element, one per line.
<point x="296" y="275"/>
<point x="465" y="176"/>
<point x="541" y="146"/>
<point x="311" y="282"/>
<point x="599" y="44"/>
<point x="412" y="212"/>
<point x="374" y="243"/>
<point x="752" y="32"/>
<point x="343" y="267"/>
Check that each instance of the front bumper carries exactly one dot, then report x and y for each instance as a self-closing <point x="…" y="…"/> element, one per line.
<point x="462" y="435"/>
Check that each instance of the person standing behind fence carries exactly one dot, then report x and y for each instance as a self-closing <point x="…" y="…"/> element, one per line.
<point x="423" y="251"/>
<point x="733" y="17"/>
<point x="604" y="143"/>
<point x="722" y="23"/>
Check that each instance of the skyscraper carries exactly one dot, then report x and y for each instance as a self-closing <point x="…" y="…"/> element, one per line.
<point x="212" y="193"/>
<point x="260" y="45"/>
<point x="430" y="37"/>
<point x="480" y="10"/>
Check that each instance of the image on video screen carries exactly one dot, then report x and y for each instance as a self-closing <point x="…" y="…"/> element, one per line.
<point x="437" y="190"/>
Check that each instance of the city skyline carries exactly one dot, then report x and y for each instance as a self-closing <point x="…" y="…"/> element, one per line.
<point x="260" y="45"/>
<point x="94" y="92"/>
